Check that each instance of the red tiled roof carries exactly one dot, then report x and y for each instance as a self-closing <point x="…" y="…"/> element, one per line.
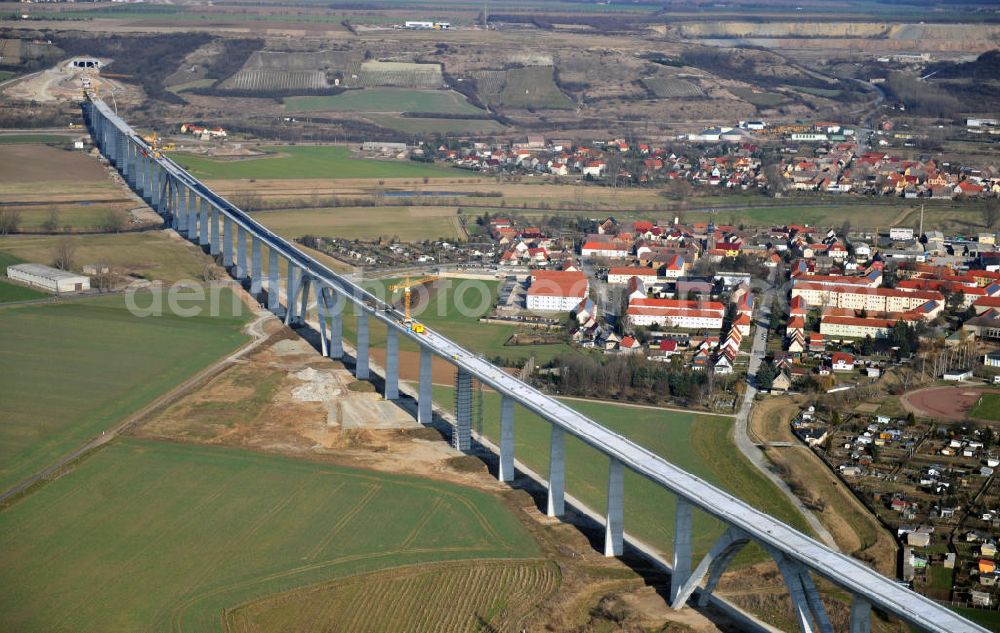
<point x="558" y="283"/>
<point x="885" y="292"/>
<point x="845" y="320"/>
<point x="633" y="271"/>
<point x="673" y="312"/>
<point x="678" y="304"/>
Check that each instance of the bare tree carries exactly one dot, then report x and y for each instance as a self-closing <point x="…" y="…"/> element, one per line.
<point x="248" y="201"/>
<point x="10" y="219"/>
<point x="211" y="272"/>
<point x="991" y="213"/>
<point x="51" y="223"/>
<point x="63" y="253"/>
<point x="103" y="281"/>
<point x="113" y="221"/>
<point x="775" y="178"/>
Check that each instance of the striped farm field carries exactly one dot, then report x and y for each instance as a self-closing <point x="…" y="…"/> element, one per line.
<point x="276" y="80"/>
<point x="668" y="87"/>
<point x="534" y="87"/>
<point x="373" y="74"/>
<point x="411" y="599"/>
<point x="159" y="536"/>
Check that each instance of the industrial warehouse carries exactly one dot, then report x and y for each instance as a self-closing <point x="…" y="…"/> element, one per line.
<point x="48" y="278"/>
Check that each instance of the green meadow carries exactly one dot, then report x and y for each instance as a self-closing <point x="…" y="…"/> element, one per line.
<point x="71" y="370"/>
<point x="302" y="162"/>
<point x="699" y="444"/>
<point x="155" y="536"/>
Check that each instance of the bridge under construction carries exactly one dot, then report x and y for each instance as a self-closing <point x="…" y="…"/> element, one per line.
<point x="211" y="221"/>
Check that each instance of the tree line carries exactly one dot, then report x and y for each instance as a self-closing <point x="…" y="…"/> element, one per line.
<point x="630" y="376"/>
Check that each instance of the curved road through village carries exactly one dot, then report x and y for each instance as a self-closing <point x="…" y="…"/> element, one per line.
<point x="742" y="435"/>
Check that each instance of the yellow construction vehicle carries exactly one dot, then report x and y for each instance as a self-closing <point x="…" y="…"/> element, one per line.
<point x="406" y="287"/>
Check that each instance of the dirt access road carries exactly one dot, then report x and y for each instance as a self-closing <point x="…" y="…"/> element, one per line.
<point x="851" y="525"/>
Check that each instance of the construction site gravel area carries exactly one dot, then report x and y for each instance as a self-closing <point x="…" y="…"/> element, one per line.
<point x="285" y="399"/>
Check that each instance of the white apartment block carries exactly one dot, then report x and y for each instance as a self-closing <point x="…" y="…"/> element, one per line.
<point x="870" y="299"/>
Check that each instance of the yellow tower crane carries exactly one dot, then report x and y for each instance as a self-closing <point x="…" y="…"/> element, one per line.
<point x="406" y="288"/>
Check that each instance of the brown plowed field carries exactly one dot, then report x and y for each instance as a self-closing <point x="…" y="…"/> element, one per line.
<point x="20" y="163"/>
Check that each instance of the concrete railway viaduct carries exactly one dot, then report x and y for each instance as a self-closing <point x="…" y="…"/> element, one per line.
<point x="216" y="224"/>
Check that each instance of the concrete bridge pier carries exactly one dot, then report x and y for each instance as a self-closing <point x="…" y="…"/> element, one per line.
<point x="556" y="504"/>
<point x="161" y="187"/>
<point x="126" y="160"/>
<point x="806" y="603"/>
<point x="119" y="148"/>
<point x="305" y="282"/>
<point x="164" y="193"/>
<point x="203" y="224"/>
<point x="256" y="267"/>
<point x="227" y="242"/>
<point x="169" y="204"/>
<point x="291" y="292"/>
<point x="109" y="142"/>
<point x="712" y="565"/>
<point x="461" y="437"/>
<point x="136" y="163"/>
<point x="133" y="165"/>
<point x="614" y="524"/>
<point x="147" y="178"/>
<point x="157" y="202"/>
<point x="192" y="209"/>
<point x="111" y="145"/>
<point x="154" y="198"/>
<point x="336" y="310"/>
<point x="322" y="309"/>
<point x="861" y="614"/>
<point x="140" y="175"/>
<point x="214" y="241"/>
<point x="137" y="171"/>
<point x="505" y="472"/>
<point x="241" y="253"/>
<point x="391" y="364"/>
<point x="425" y="405"/>
<point x="180" y="206"/>
<point x="681" y="563"/>
<point x="361" y="366"/>
<point x="273" y="283"/>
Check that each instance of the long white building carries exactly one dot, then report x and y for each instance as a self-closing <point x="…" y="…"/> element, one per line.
<point x="556" y="291"/>
<point x="620" y="275"/>
<point x="678" y="313"/>
<point x="48" y="278"/>
<point x="861" y="298"/>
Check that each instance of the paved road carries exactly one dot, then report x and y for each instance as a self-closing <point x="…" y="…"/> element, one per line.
<point x="743" y="441"/>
